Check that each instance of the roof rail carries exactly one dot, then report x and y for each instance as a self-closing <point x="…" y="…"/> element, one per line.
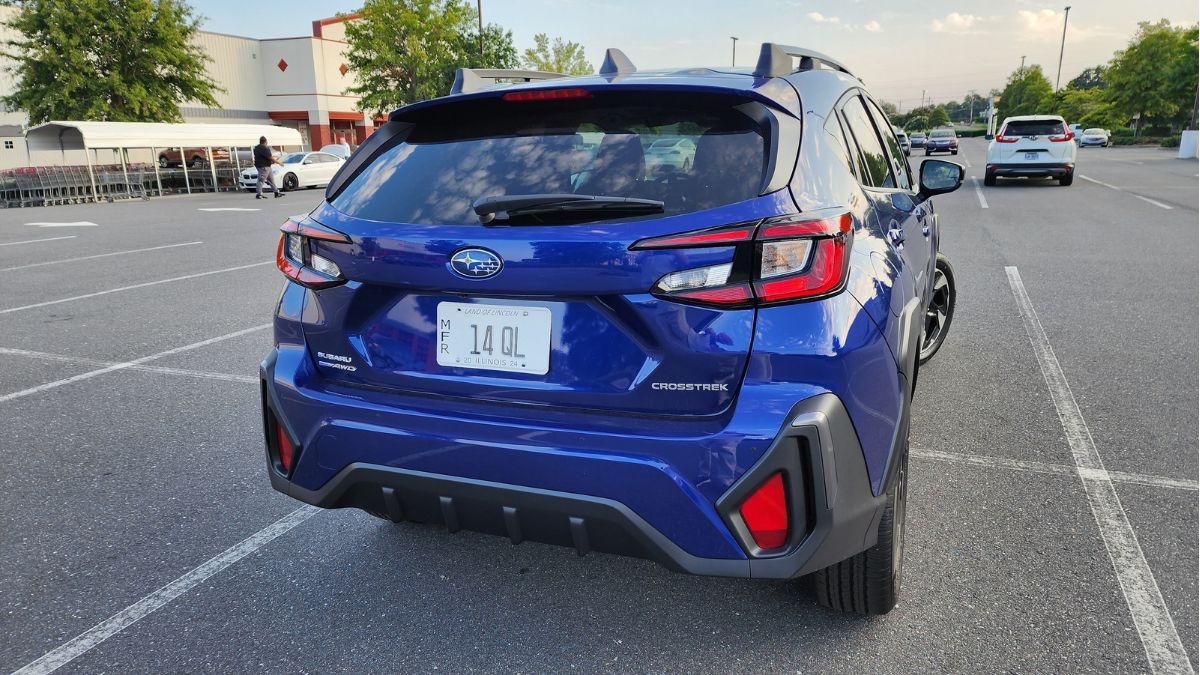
<point x="467" y="80"/>
<point x="775" y="60"/>
<point x="616" y="63"/>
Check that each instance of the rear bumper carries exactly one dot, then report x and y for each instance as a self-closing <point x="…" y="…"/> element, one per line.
<point x="1034" y="170"/>
<point x="590" y="500"/>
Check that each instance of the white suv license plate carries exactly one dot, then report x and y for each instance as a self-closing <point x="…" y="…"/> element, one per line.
<point x="1031" y="155"/>
<point x="494" y="337"/>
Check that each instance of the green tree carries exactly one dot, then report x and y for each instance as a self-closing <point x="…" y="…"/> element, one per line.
<point x="560" y="56"/>
<point x="1028" y="92"/>
<point x="939" y="117"/>
<point x="1087" y="107"/>
<point x="1090" y="78"/>
<point x="105" y="60"/>
<point x="1155" y="76"/>
<point x="404" y="51"/>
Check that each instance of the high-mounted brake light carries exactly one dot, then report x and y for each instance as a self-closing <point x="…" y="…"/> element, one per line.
<point x="781" y="260"/>
<point x="296" y="259"/>
<point x="546" y="94"/>
<point x="766" y="515"/>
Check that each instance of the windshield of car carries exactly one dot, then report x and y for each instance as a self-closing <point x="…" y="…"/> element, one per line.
<point x="453" y="156"/>
<point x="942" y="133"/>
<point x="918" y="135"/>
<point x="294" y="158"/>
<point x="1094" y="132"/>
<point x="1033" y="128"/>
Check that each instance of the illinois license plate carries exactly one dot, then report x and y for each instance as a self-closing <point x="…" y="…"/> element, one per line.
<point x="494" y="337"/>
<point x="1031" y="155"/>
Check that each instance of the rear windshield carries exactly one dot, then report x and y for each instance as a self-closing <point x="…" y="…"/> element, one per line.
<point x="1033" y="128"/>
<point x="453" y="155"/>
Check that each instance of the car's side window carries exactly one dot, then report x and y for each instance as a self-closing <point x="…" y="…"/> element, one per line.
<point x="899" y="165"/>
<point x="833" y="127"/>
<point x="878" y="169"/>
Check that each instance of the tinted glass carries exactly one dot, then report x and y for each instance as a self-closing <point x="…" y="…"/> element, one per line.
<point x="834" y="127"/>
<point x="899" y="166"/>
<point x="874" y="157"/>
<point x="1033" y="128"/>
<point x="941" y="133"/>
<point x="294" y="158"/>
<point x="596" y="146"/>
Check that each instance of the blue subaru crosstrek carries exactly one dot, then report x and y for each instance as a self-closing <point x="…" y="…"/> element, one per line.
<point x="507" y="316"/>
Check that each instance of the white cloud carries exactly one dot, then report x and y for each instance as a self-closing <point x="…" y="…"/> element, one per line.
<point x="873" y="27"/>
<point x="821" y="18"/>
<point x="956" y="23"/>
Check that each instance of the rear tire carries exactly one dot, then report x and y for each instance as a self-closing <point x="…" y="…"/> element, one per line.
<point x="1067" y="179"/>
<point x="290" y="182"/>
<point x="869" y="583"/>
<point x="989" y="179"/>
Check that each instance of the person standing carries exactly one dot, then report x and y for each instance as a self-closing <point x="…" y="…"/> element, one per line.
<point x="264" y="159"/>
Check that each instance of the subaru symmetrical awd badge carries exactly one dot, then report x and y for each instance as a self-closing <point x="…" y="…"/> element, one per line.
<point x="475" y="263"/>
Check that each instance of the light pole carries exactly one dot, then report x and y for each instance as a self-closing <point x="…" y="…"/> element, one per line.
<point x="1022" y="65"/>
<point x="1061" y="48"/>
<point x="733" y="61"/>
<point x="479" y="6"/>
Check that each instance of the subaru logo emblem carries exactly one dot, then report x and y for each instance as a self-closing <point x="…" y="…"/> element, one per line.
<point x="476" y="263"/>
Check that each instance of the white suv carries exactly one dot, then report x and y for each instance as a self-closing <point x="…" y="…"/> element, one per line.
<point x="1034" y="146"/>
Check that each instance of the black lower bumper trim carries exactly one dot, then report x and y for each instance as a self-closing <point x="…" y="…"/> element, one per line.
<point x="1031" y="170"/>
<point x="520" y="513"/>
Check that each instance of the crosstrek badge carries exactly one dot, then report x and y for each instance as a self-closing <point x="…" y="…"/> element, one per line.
<point x="688" y="386"/>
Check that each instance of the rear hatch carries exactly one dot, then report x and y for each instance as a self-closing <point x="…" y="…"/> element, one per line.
<point x="547" y="306"/>
<point x="1034" y="142"/>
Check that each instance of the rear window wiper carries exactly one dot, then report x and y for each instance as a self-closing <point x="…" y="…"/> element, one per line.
<point x="507" y="206"/>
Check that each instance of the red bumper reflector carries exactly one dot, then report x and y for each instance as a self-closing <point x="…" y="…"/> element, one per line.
<point x="766" y="514"/>
<point x="287" y="451"/>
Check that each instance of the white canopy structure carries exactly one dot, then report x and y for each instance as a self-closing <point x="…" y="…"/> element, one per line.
<point x="64" y="136"/>
<point x="90" y="135"/>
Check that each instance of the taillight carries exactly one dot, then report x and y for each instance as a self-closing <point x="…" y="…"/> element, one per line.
<point x="766" y="514"/>
<point x="779" y="260"/>
<point x="295" y="257"/>
<point x="1006" y="139"/>
<point x="1067" y="135"/>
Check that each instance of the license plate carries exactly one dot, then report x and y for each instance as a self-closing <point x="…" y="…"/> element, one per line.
<point x="1031" y="155"/>
<point x="494" y="337"/>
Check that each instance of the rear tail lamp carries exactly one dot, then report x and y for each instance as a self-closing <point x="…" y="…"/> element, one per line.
<point x="1006" y="139"/>
<point x="782" y="260"/>
<point x="766" y="514"/>
<point x="1067" y="135"/>
<point x="296" y="259"/>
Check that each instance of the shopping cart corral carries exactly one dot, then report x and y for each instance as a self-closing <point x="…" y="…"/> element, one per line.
<point x="218" y="152"/>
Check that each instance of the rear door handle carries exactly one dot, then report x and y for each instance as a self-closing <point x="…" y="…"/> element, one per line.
<point x="896" y="236"/>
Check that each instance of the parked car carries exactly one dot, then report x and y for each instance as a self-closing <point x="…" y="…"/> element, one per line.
<point x="1098" y="137"/>
<point x="1077" y="132"/>
<point x="902" y="139"/>
<point x="677" y="153"/>
<point x="300" y="169"/>
<point x="486" y="328"/>
<point x="1032" y="146"/>
<point x="197" y="157"/>
<point x="917" y="139"/>
<point x="941" y="140"/>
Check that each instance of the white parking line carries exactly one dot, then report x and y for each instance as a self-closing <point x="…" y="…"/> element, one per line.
<point x="227" y="208"/>
<point x="130" y="288"/>
<point x="1156" y="203"/>
<point x="88" y="640"/>
<point x="98" y="255"/>
<point x="34" y="241"/>
<point x="1054" y="469"/>
<point x="76" y="223"/>
<point x="1160" y="639"/>
<point x="185" y="372"/>
<point x="979" y="193"/>
<point x="1114" y="187"/>
<point x="4" y="398"/>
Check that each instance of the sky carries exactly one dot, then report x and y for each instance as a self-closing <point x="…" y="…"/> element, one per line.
<point x="945" y="48"/>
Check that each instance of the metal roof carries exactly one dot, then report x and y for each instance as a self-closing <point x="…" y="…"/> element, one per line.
<point x="83" y="135"/>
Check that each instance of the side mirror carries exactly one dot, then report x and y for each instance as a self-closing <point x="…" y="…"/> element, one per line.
<point x="939" y="177"/>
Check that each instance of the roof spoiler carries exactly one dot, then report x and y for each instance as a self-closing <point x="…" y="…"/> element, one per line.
<point x="467" y="80"/>
<point x="775" y="60"/>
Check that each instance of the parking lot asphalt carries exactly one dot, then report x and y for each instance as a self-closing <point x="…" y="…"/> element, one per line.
<point x="136" y="514"/>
